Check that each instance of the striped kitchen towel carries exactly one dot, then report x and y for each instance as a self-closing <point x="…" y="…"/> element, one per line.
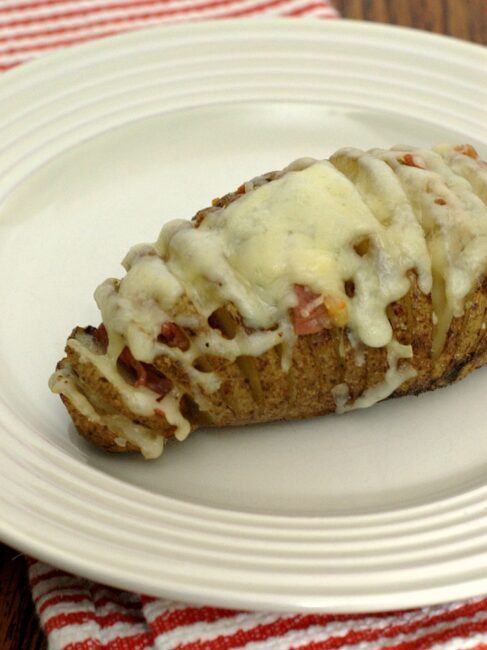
<point x="30" y="27"/>
<point x="78" y="614"/>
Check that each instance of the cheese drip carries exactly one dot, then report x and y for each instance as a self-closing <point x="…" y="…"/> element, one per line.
<point x="396" y="375"/>
<point x="150" y="443"/>
<point x="365" y="218"/>
<point x="454" y="221"/>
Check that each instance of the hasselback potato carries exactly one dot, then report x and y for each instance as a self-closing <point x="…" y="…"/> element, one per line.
<point x="324" y="287"/>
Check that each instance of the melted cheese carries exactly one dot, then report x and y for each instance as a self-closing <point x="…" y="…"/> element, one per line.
<point x="139" y="400"/>
<point x="365" y="218"/>
<point x="299" y="229"/>
<point x="395" y="376"/>
<point x="474" y="171"/>
<point x="136" y="307"/>
<point x="382" y="192"/>
<point x="454" y="222"/>
<point x="150" y="443"/>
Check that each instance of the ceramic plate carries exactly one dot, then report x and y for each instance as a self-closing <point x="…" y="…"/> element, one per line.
<point x="99" y="146"/>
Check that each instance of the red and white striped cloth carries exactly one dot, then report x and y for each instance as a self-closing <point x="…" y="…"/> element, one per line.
<point x="77" y="614"/>
<point x="30" y="27"/>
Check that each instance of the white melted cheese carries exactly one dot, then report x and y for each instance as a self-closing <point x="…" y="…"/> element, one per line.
<point x="395" y="376"/>
<point x="136" y="307"/>
<point x="298" y="229"/>
<point x="381" y="191"/>
<point x="474" y="171"/>
<point x="150" y="443"/>
<point x="364" y="219"/>
<point x="139" y="400"/>
<point x="454" y="222"/>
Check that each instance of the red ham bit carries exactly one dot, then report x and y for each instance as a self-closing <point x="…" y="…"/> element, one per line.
<point x="157" y="382"/>
<point x="126" y="357"/>
<point x="413" y="161"/>
<point x="173" y="336"/>
<point x="160" y="413"/>
<point x="312" y="322"/>
<point x="101" y="335"/>
<point x="467" y="150"/>
<point x="146" y="375"/>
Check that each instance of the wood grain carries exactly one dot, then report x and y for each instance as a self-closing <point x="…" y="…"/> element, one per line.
<point x="467" y="19"/>
<point x="19" y="629"/>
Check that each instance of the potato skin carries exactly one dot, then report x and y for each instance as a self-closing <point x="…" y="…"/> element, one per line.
<point x="97" y="434"/>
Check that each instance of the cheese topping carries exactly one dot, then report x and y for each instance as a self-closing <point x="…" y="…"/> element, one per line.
<point x="150" y="444"/>
<point x="348" y="230"/>
<point x="454" y="221"/>
<point x="140" y="400"/>
<point x="395" y="376"/>
<point x="299" y="229"/>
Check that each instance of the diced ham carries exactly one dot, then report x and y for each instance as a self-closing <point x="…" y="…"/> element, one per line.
<point x="308" y="321"/>
<point x="102" y="335"/>
<point x="126" y="358"/>
<point x="314" y="313"/>
<point x="173" y="336"/>
<point x="467" y="150"/>
<point x="157" y="382"/>
<point x="146" y="375"/>
<point x="413" y="161"/>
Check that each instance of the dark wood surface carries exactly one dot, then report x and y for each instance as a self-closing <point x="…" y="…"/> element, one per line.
<point x="465" y="19"/>
<point x="19" y="629"/>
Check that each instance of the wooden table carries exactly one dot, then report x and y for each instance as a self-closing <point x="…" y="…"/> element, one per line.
<point x="465" y="19"/>
<point x="461" y="18"/>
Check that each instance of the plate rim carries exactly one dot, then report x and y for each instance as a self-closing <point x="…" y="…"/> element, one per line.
<point x="50" y="58"/>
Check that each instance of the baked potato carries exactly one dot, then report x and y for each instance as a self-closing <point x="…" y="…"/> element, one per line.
<point x="324" y="287"/>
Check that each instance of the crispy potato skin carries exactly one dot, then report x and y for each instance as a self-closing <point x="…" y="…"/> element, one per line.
<point x="98" y="434"/>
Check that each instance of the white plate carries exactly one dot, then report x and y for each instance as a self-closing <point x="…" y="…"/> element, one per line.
<point x="99" y="145"/>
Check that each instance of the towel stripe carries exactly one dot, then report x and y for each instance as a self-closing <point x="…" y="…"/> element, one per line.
<point x="28" y="29"/>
